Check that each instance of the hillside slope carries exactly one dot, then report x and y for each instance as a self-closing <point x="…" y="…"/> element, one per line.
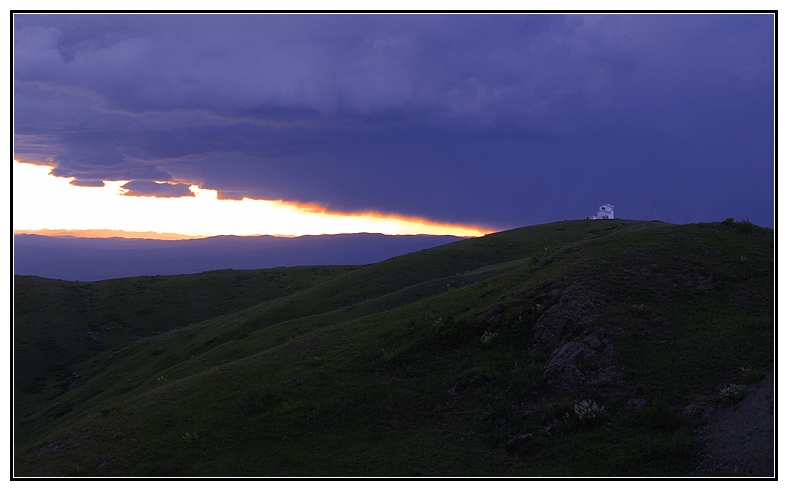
<point x="566" y="349"/>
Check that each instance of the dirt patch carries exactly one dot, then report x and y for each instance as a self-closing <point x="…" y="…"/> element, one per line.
<point x="739" y="439"/>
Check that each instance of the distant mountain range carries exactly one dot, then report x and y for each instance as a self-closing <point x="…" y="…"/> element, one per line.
<point x="91" y="259"/>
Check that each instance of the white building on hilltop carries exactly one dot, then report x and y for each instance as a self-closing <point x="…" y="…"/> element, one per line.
<point x="605" y="212"/>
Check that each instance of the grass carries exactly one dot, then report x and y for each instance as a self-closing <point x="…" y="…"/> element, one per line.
<point x="422" y="365"/>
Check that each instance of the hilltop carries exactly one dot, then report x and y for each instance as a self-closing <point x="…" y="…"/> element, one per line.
<point x="576" y="348"/>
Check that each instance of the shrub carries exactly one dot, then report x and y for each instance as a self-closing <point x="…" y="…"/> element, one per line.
<point x="389" y="355"/>
<point x="752" y="375"/>
<point x="190" y="437"/>
<point x="291" y="405"/>
<point x="732" y="393"/>
<point x="588" y="411"/>
<point x="746" y="226"/>
<point x="488" y="337"/>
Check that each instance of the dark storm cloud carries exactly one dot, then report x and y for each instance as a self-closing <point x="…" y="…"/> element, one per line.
<point x="158" y="189"/>
<point x="88" y="183"/>
<point x="498" y="119"/>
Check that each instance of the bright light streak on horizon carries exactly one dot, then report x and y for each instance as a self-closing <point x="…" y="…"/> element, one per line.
<point x="44" y="202"/>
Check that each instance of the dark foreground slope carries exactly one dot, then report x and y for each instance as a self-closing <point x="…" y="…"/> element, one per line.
<point x="473" y="358"/>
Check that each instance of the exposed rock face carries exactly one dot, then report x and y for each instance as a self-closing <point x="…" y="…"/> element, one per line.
<point x="563" y="370"/>
<point x="586" y="362"/>
<point x="597" y="340"/>
<point x="492" y="316"/>
<point x="582" y="363"/>
<point x="575" y="308"/>
<point x="552" y="324"/>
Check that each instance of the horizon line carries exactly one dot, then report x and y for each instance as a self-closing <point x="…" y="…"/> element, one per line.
<point x="168" y="236"/>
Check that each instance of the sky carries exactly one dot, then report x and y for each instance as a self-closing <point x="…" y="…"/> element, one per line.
<point x="461" y="124"/>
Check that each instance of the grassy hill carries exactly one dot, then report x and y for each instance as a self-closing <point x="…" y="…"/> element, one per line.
<point x="469" y="359"/>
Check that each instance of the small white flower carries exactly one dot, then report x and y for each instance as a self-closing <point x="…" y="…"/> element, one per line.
<point x="488" y="337"/>
<point x="588" y="410"/>
<point x="732" y="392"/>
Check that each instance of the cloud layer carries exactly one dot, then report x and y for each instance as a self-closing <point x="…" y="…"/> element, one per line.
<point x="496" y="119"/>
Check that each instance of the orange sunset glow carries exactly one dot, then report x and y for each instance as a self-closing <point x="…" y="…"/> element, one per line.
<point x="50" y="205"/>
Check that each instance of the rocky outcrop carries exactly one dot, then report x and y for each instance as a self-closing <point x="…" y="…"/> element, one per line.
<point x="590" y="362"/>
<point x="575" y="308"/>
<point x="564" y="368"/>
<point x="492" y="316"/>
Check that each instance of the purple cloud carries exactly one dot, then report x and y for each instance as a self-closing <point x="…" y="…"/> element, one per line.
<point x="499" y="119"/>
<point x="158" y="189"/>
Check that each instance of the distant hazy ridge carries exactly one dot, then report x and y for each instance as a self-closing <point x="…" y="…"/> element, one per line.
<point x="87" y="259"/>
